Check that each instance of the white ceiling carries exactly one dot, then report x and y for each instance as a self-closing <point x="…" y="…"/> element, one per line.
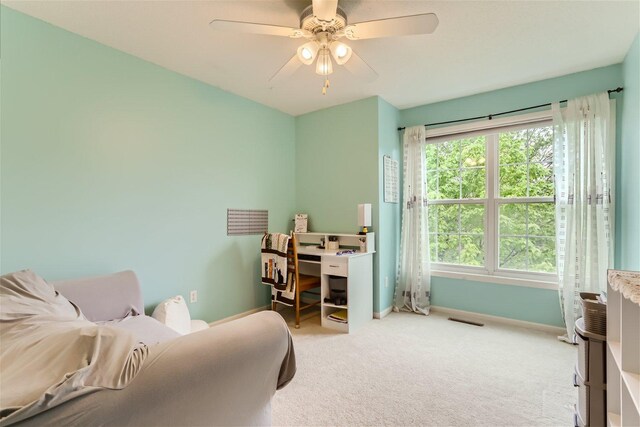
<point x="478" y="46"/>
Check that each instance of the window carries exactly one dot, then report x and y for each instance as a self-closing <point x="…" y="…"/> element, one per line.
<point x="491" y="204"/>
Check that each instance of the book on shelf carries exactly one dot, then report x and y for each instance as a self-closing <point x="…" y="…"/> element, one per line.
<point x="341" y="316"/>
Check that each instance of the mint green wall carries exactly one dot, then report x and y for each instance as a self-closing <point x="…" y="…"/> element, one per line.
<point x="529" y="304"/>
<point x="514" y="302"/>
<point x="628" y="209"/>
<point x="336" y="155"/>
<point x="337" y="169"/>
<point x="541" y="92"/>
<point x="388" y="231"/>
<point x="109" y="162"/>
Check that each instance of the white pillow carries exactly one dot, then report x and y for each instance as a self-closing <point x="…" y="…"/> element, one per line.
<point x="174" y="313"/>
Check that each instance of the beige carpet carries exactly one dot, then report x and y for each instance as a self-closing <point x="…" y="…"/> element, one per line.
<point x="408" y="369"/>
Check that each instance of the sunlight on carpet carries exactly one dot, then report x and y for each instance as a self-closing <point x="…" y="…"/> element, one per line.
<point x="408" y="369"/>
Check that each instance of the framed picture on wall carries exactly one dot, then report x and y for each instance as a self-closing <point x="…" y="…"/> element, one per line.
<point x="390" y="180"/>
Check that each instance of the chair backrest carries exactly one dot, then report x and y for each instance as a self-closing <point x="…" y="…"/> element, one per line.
<point x="292" y="257"/>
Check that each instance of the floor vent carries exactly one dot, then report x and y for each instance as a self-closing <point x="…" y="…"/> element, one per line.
<point x="468" y="322"/>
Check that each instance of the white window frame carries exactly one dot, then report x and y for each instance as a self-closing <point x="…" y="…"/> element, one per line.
<point x="491" y="272"/>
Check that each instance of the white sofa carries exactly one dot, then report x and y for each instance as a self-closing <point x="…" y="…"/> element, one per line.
<point x="224" y="375"/>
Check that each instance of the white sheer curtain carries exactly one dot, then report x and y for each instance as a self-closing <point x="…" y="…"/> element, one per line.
<point x="413" y="277"/>
<point x="584" y="155"/>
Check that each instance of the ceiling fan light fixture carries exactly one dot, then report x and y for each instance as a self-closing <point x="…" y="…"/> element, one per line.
<point x="324" y="66"/>
<point x="323" y="24"/>
<point x="307" y="52"/>
<point x="340" y="52"/>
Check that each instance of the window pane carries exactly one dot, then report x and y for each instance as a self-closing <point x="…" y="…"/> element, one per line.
<point x="447" y="218"/>
<point x="448" y="248"/>
<point x="449" y="155"/>
<point x="542" y="254"/>
<point x="473" y="152"/>
<point x="540" y="180"/>
<point x="449" y="182"/>
<point x="542" y="219"/>
<point x="472" y="219"/>
<point x="472" y="249"/>
<point x="512" y="147"/>
<point x="513" y="253"/>
<point x="513" y="181"/>
<point x="541" y="145"/>
<point x="527" y="250"/>
<point x="513" y="219"/>
<point x="473" y="183"/>
<point x="432" y="156"/>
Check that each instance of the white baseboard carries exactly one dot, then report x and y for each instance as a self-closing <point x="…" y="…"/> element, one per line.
<point x="383" y="313"/>
<point x="469" y="315"/>
<point x="240" y="315"/>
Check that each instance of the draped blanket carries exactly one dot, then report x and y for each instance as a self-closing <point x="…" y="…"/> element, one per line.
<point x="275" y="271"/>
<point x="51" y="353"/>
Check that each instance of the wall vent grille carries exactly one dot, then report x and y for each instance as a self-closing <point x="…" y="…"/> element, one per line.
<point x="242" y="222"/>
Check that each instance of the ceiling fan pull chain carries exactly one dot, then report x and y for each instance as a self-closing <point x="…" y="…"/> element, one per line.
<point x="326" y="86"/>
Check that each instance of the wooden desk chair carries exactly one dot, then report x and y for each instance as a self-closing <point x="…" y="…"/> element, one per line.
<point x="304" y="282"/>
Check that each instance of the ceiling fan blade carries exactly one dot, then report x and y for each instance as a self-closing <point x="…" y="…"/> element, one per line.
<point x="356" y="66"/>
<point x="425" y="23"/>
<point x="286" y="70"/>
<point x="255" y="28"/>
<point x="325" y="9"/>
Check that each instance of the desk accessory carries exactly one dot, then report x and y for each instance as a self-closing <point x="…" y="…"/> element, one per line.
<point x="364" y="217"/>
<point x="301" y="221"/>
<point x="333" y="244"/>
<point x="346" y="252"/>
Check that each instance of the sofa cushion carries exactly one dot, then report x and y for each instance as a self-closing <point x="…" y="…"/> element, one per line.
<point x="146" y="329"/>
<point x="174" y="313"/>
<point x="119" y="295"/>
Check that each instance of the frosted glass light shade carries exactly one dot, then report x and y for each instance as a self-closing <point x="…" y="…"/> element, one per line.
<point x="308" y="52"/>
<point x="324" y="66"/>
<point x="340" y="52"/>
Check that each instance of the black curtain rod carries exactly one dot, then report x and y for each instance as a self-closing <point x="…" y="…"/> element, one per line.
<point x="491" y="116"/>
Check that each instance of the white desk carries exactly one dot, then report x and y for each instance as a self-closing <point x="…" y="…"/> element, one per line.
<point x="357" y="268"/>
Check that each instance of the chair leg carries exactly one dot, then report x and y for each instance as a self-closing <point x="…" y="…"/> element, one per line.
<point x="297" y="308"/>
<point x="273" y="306"/>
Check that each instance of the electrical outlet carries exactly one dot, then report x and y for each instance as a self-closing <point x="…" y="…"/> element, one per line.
<point x="193" y="296"/>
<point x="386" y="281"/>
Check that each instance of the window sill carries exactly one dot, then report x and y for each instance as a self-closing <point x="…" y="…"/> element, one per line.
<point x="500" y="280"/>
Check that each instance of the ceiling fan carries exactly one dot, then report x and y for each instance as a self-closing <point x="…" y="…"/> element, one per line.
<point x="323" y="24"/>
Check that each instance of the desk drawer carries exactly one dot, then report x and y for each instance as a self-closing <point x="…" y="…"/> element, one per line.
<point x="336" y="266"/>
